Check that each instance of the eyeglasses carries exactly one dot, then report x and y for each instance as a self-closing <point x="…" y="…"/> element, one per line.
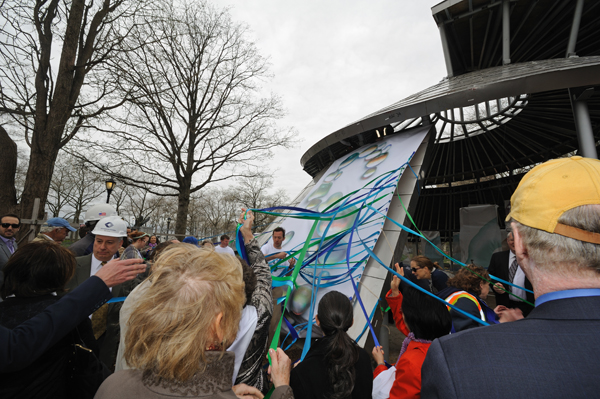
<point x="14" y="226"/>
<point x="414" y="269"/>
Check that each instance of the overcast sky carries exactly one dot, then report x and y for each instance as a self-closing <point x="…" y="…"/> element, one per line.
<point x="336" y="61"/>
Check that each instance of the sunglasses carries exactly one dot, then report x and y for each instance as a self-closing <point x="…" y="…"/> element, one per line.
<point x="7" y="225"/>
<point x="414" y="269"/>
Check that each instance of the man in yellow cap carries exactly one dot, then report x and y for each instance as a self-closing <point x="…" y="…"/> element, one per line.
<point x="553" y="353"/>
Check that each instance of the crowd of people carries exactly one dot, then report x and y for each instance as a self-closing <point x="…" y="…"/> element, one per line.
<point x="120" y="315"/>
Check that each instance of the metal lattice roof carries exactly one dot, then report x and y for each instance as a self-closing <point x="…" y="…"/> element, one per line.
<point x="539" y="31"/>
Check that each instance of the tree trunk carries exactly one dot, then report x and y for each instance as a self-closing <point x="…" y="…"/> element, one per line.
<point x="8" y="168"/>
<point x="39" y="174"/>
<point x="76" y="216"/>
<point x="183" y="205"/>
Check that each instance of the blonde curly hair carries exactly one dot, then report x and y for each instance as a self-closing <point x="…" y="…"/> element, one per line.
<point x="175" y="320"/>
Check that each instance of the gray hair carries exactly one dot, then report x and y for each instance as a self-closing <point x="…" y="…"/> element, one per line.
<point x="48" y="229"/>
<point x="553" y="252"/>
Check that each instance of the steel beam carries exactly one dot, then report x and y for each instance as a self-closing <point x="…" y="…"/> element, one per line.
<point x="506" y="32"/>
<point x="446" y="50"/>
<point x="574" y="29"/>
<point x="583" y="123"/>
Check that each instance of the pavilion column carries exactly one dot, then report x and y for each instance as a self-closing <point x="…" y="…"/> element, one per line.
<point x="506" y="32"/>
<point x="583" y="124"/>
<point x="446" y="50"/>
<point x="574" y="29"/>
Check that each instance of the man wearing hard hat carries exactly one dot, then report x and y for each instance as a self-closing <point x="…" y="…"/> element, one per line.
<point x="92" y="216"/>
<point x="108" y="233"/>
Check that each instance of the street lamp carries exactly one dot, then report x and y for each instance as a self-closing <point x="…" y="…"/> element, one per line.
<point x="168" y="224"/>
<point x="110" y="185"/>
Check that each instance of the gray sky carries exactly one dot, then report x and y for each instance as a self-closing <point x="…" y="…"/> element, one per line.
<point x="336" y="61"/>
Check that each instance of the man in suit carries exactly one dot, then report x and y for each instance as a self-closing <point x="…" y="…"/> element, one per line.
<point x="504" y="265"/>
<point x="555" y="218"/>
<point x="108" y="238"/>
<point x="9" y="227"/>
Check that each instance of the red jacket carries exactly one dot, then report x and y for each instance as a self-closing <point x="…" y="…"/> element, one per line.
<point x="396" y="307"/>
<point x="408" y="368"/>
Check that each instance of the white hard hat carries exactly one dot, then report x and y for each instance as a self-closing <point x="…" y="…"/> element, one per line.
<point x="99" y="211"/>
<point x="112" y="226"/>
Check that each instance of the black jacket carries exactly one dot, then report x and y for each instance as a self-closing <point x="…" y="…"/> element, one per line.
<point x="47" y="376"/>
<point x="109" y="342"/>
<point x="310" y="378"/>
<point x="23" y="345"/>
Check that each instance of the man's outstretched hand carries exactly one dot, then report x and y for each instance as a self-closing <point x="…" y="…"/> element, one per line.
<point x="117" y="271"/>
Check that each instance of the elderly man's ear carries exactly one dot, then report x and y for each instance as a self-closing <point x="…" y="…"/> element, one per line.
<point x="520" y="250"/>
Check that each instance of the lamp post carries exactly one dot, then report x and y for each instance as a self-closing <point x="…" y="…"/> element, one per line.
<point x="110" y="185"/>
<point x="168" y="224"/>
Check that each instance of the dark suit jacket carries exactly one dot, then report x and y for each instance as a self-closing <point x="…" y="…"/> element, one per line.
<point x="23" y="345"/>
<point x="4" y="255"/>
<point x="109" y="343"/>
<point x="553" y="353"/>
<point x="499" y="267"/>
<point x="83" y="247"/>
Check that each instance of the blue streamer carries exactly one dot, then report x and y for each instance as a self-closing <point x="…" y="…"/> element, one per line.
<point x="117" y="299"/>
<point x="367" y="323"/>
<point x="277" y="283"/>
<point x="442" y="252"/>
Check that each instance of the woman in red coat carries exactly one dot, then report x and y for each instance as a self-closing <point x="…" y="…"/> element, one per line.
<point x="422" y="319"/>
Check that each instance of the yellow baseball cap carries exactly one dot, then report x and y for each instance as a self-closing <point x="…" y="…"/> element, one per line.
<point x="550" y="189"/>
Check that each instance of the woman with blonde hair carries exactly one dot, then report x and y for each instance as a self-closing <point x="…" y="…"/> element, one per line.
<point x="179" y="330"/>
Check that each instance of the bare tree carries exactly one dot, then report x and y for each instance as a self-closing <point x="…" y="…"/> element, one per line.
<point x="119" y="198"/>
<point x="143" y="205"/>
<point x="166" y="209"/>
<point x="214" y="212"/>
<point x="73" y="187"/>
<point x="194" y="113"/>
<point x="60" y="190"/>
<point x="8" y="166"/>
<point x="49" y="97"/>
<point x="253" y="192"/>
<point x="86" y="187"/>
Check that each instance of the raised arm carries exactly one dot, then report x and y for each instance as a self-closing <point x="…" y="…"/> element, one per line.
<point x="394" y="299"/>
<point x="251" y="369"/>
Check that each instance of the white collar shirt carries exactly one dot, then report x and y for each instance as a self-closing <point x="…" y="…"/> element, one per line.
<point x="96" y="266"/>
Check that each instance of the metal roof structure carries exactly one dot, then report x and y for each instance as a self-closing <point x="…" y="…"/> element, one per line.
<point x="539" y="30"/>
<point x="517" y="70"/>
